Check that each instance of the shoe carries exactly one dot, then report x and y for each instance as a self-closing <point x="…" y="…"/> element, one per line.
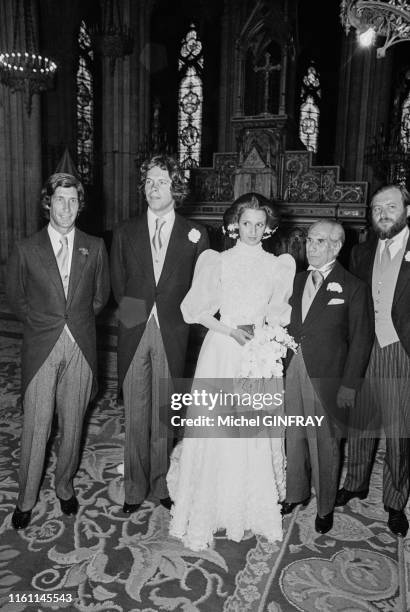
<point x="166" y="502"/>
<point x="20" y="518"/>
<point x="130" y="508"/>
<point x="288" y="507"/>
<point x="398" y="523"/>
<point x="325" y="523"/>
<point x="343" y="496"/>
<point x="69" y="506"/>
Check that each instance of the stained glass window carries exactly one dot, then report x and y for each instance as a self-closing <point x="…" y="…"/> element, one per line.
<point x="191" y="63"/>
<point x="309" y="109"/>
<point x="85" y="107"/>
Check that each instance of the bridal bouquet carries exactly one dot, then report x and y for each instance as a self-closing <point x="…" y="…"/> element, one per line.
<point x="262" y="356"/>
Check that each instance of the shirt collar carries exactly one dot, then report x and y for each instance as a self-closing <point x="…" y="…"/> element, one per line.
<point x="399" y="239"/>
<point x="152" y="217"/>
<point x="55" y="236"/>
<point x="324" y="269"/>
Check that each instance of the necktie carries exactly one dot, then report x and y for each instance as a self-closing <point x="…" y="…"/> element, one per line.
<point x="62" y="262"/>
<point x="317" y="278"/>
<point x="156" y="239"/>
<point x="386" y="255"/>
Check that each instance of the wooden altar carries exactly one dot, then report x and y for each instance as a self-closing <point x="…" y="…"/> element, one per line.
<point x="303" y="191"/>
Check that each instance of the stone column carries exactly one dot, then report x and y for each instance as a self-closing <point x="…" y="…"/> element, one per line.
<point x="232" y="73"/>
<point x="364" y="98"/>
<point x="126" y="118"/>
<point x="20" y="154"/>
<point x="59" y="108"/>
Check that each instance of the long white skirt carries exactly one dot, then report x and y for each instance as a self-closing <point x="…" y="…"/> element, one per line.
<point x="225" y="483"/>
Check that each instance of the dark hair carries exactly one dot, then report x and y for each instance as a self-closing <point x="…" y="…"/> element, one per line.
<point x="252" y="201"/>
<point x="179" y="186"/>
<point x="60" y="179"/>
<point x="405" y="194"/>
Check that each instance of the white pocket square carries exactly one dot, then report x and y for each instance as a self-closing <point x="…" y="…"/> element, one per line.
<point x="335" y="301"/>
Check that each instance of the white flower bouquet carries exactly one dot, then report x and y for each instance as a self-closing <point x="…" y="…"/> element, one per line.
<point x="262" y="355"/>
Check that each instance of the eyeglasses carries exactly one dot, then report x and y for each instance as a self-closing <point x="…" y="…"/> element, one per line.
<point x="161" y="183"/>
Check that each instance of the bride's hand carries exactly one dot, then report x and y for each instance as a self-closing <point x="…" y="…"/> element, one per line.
<point x="241" y="336"/>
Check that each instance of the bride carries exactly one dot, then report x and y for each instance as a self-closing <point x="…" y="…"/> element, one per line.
<point x="232" y="483"/>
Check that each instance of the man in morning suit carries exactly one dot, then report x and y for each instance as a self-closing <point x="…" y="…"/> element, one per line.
<point x="332" y="321"/>
<point x="57" y="281"/>
<point x="384" y="263"/>
<point x="152" y="264"/>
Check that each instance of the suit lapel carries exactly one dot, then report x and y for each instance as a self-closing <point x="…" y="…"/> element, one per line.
<point x="367" y="262"/>
<point x="48" y="259"/>
<point x="404" y="275"/>
<point x="141" y="246"/>
<point x="299" y="287"/>
<point x="81" y="252"/>
<point x="175" y="249"/>
<point x="323" y="296"/>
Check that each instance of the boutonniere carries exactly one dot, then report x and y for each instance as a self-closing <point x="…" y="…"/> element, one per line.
<point x="407" y="256"/>
<point x="84" y="251"/>
<point x="334" y="287"/>
<point x="194" y="235"/>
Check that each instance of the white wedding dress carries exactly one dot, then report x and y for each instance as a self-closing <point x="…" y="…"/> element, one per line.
<point x="231" y="483"/>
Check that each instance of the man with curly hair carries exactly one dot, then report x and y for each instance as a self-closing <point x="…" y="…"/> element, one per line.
<point x="152" y="262"/>
<point x="57" y="281"/>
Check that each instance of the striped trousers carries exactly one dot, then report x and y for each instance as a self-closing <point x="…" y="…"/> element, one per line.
<point x="63" y="383"/>
<point x="384" y="399"/>
<point x="313" y="456"/>
<point x="147" y="388"/>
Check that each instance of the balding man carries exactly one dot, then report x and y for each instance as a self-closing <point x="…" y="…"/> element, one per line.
<point x="332" y="321"/>
<point x="383" y="262"/>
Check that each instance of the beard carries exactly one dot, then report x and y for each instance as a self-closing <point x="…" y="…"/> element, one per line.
<point x="393" y="229"/>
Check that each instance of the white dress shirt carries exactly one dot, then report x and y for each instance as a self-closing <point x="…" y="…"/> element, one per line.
<point x="56" y="244"/>
<point x="159" y="258"/>
<point x="310" y="289"/>
<point x="324" y="270"/>
<point x="399" y="241"/>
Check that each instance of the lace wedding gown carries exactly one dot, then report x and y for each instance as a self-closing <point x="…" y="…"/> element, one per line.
<point x="231" y="483"/>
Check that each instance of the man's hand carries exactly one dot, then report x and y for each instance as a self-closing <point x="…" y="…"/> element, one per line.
<point x="241" y="336"/>
<point x="345" y="397"/>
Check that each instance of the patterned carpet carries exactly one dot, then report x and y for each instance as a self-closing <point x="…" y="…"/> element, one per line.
<point x="100" y="560"/>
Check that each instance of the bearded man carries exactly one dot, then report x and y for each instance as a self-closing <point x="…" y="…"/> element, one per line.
<point x="384" y="263"/>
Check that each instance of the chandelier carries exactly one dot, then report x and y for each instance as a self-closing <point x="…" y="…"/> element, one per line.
<point x="112" y="38"/>
<point x="22" y="68"/>
<point x="372" y="18"/>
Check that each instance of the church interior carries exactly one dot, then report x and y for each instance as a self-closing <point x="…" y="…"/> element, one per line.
<point x="273" y="96"/>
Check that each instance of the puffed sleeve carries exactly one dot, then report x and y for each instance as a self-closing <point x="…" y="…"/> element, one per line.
<point x="204" y="297"/>
<point x="283" y="275"/>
